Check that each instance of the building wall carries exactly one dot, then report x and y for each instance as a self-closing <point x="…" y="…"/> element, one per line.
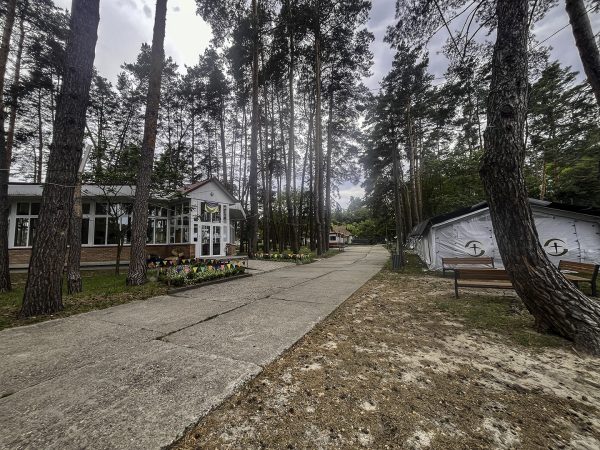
<point x="562" y="235"/>
<point x="106" y="254"/>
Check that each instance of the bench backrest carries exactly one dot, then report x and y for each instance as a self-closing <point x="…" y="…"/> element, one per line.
<point x="481" y="274"/>
<point x="471" y="260"/>
<point x="585" y="268"/>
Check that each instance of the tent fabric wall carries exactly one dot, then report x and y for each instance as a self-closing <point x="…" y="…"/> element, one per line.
<point x="563" y="235"/>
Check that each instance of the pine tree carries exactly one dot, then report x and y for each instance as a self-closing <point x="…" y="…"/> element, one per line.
<point x="554" y="302"/>
<point x="137" y="265"/>
<point x="43" y="291"/>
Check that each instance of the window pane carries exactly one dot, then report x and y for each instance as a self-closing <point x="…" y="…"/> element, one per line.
<point x="163" y="212"/>
<point x="150" y="232"/>
<point x="125" y="223"/>
<point x="100" y="231"/>
<point x="35" y="209"/>
<point x="21" y="231"/>
<point x="204" y="214"/>
<point x="101" y="209"/>
<point x="23" y="209"/>
<point x="216" y="217"/>
<point x="216" y="240"/>
<point x="113" y="231"/>
<point x="205" y="240"/>
<point x="32" y="228"/>
<point x="85" y="230"/>
<point x="172" y="231"/>
<point x="161" y="231"/>
<point x="85" y="208"/>
<point x="185" y="234"/>
<point x="186" y="208"/>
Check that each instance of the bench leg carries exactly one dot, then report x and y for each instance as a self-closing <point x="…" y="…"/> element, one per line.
<point x="594" y="293"/>
<point x="456" y="290"/>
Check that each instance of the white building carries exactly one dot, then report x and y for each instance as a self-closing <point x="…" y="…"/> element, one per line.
<point x="565" y="232"/>
<point x="197" y="223"/>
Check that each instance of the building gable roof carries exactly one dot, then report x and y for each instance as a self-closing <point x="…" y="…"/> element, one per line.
<point x="192" y="187"/>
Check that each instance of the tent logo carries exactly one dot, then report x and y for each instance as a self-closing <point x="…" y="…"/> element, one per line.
<point x="475" y="247"/>
<point x="555" y="247"/>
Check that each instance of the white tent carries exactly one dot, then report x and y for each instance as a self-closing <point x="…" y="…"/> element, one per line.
<point x="565" y="231"/>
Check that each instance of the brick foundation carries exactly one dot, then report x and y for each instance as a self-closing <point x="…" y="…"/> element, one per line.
<point x="106" y="254"/>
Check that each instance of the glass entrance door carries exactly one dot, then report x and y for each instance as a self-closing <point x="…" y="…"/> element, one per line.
<point x="210" y="240"/>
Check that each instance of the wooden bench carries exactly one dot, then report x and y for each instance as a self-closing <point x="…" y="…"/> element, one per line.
<point x="481" y="278"/>
<point x="577" y="273"/>
<point x="451" y="263"/>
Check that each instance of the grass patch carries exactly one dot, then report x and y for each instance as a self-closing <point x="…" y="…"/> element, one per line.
<point x="503" y="315"/>
<point x="101" y="289"/>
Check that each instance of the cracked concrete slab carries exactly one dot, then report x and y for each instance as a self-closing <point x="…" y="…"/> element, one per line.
<point x="153" y="315"/>
<point x="257" y="332"/>
<point x="136" y="375"/>
<point x="142" y="400"/>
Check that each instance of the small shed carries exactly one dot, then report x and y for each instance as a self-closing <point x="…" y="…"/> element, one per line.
<point x="339" y="236"/>
<point x="566" y="232"/>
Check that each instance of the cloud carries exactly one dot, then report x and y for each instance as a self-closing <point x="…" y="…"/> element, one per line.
<point x="147" y="11"/>
<point x="347" y="190"/>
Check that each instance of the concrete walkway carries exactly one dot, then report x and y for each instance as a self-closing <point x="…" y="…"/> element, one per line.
<point x="136" y="375"/>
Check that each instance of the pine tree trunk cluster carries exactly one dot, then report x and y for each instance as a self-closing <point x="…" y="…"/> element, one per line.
<point x="554" y="302"/>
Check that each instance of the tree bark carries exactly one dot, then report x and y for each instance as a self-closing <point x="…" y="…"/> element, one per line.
<point x="74" y="255"/>
<point x="327" y="226"/>
<point x="223" y="150"/>
<point x="586" y="43"/>
<point x="40" y="131"/>
<point x="290" y="173"/>
<point x="554" y="302"/>
<point x="253" y="175"/>
<point x="136" y="274"/>
<point x="43" y="290"/>
<point x="319" y="197"/>
<point x="397" y="202"/>
<point x="9" y="20"/>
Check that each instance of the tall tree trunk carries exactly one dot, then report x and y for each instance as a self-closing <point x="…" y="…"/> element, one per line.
<point x="253" y="176"/>
<point x="290" y="173"/>
<point x="14" y="98"/>
<point x="40" y="132"/>
<point x="43" y="291"/>
<point x="139" y="225"/>
<point x="223" y="150"/>
<point x="193" y="150"/>
<point x="9" y="21"/>
<point x="319" y="200"/>
<point x="586" y="43"/>
<point x="327" y="226"/>
<point x="74" y="255"/>
<point x="554" y="302"/>
<point x="397" y="202"/>
<point x="412" y="167"/>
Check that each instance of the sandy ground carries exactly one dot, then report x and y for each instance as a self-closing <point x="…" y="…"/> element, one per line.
<point x="401" y="364"/>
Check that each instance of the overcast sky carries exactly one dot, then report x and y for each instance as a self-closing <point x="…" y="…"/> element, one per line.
<point x="126" y="24"/>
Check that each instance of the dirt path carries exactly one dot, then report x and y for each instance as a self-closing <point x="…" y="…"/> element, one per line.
<point x="401" y="364"/>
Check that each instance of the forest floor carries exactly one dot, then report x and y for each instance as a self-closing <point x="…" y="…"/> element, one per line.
<point x="402" y="364"/>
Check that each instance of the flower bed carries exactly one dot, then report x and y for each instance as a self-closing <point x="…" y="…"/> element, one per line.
<point x="299" y="258"/>
<point x="194" y="272"/>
